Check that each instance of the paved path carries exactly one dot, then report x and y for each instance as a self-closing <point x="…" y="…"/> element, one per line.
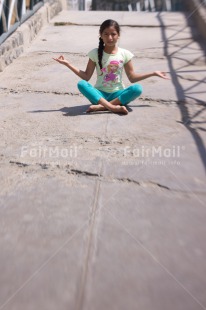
<point x="103" y="211"/>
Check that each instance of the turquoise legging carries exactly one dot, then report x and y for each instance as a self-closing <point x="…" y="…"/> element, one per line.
<point x="124" y="95"/>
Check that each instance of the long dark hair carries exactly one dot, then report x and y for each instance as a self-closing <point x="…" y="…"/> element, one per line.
<point x="107" y="23"/>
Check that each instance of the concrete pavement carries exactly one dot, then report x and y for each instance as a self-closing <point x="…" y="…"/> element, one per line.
<point x="102" y="211"/>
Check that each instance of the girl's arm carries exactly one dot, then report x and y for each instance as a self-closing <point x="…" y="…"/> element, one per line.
<point x="134" y="77"/>
<point x="84" y="75"/>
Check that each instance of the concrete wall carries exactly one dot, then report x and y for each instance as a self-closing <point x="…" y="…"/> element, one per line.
<point x="14" y="46"/>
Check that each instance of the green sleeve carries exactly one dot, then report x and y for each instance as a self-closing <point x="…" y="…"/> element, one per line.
<point x="128" y="56"/>
<point x="93" y="55"/>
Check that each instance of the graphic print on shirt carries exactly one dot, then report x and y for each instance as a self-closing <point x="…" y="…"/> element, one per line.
<point x="112" y="73"/>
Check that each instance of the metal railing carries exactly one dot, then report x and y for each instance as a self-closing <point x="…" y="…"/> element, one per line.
<point x="126" y="5"/>
<point x="15" y="12"/>
<point x="155" y="5"/>
<point x="138" y="5"/>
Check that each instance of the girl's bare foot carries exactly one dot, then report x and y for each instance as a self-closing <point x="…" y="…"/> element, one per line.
<point x="120" y="109"/>
<point x="95" y="108"/>
<point x="115" y="109"/>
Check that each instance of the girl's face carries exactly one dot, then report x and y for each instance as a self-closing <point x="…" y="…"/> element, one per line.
<point x="110" y="36"/>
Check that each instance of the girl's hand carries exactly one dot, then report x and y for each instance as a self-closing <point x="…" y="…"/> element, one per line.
<point x="61" y="60"/>
<point x="161" y="75"/>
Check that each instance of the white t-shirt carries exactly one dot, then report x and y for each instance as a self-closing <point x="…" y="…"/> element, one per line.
<point x="109" y="79"/>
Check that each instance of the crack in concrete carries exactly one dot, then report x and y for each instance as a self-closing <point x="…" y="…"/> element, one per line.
<point x="144" y="183"/>
<point x="59" y="52"/>
<point x="13" y="91"/>
<point x="85" y="55"/>
<point x="84" y="173"/>
<point x="58" y="24"/>
<point x="98" y="176"/>
<point x="170" y="101"/>
<point x="19" y="164"/>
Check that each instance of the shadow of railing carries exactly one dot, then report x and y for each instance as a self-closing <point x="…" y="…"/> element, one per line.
<point x="189" y="94"/>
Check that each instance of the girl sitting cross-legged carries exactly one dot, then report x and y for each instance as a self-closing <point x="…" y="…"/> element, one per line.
<point x="109" y="60"/>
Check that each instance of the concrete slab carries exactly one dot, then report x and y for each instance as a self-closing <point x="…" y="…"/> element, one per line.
<point x="140" y="19"/>
<point x="101" y="210"/>
<point x="42" y="237"/>
<point x="145" y="271"/>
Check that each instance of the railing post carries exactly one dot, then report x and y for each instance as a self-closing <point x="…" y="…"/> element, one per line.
<point x="13" y="13"/>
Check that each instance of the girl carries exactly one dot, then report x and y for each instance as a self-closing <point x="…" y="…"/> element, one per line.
<point x="109" y="60"/>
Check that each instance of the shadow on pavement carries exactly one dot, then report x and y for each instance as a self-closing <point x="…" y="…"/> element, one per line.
<point x="188" y="94"/>
<point x="81" y="110"/>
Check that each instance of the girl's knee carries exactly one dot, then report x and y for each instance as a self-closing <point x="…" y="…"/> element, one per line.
<point x="81" y="84"/>
<point x="137" y="89"/>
